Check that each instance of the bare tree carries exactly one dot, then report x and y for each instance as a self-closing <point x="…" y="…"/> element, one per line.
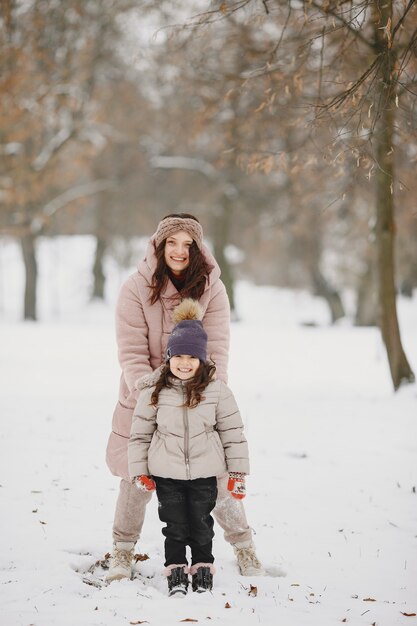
<point x="52" y="55"/>
<point x="354" y="65"/>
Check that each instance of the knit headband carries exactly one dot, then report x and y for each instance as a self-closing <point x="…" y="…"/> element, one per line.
<point x="171" y="225"/>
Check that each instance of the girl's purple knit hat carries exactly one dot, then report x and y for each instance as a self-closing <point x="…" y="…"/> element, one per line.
<point x="188" y="335"/>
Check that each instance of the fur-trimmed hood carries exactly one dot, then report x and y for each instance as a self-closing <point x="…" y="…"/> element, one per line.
<point x="149" y="380"/>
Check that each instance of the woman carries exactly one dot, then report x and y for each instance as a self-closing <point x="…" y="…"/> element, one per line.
<point x="177" y="265"/>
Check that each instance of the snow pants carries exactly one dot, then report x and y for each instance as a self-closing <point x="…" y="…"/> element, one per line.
<point x="229" y="513"/>
<point x="185" y="506"/>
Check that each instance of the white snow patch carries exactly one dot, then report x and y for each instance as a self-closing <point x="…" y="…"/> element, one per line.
<point x="331" y="497"/>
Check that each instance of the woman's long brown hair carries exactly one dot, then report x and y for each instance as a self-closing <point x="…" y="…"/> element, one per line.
<point x="196" y="273"/>
<point x="193" y="388"/>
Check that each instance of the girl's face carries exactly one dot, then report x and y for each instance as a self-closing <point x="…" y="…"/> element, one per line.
<point x="184" y="366"/>
<point x="177" y="251"/>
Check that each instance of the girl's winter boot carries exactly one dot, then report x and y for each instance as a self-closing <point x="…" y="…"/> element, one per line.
<point x="202" y="578"/>
<point x="177" y="578"/>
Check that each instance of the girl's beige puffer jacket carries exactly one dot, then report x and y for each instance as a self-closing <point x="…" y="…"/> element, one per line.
<point x="174" y="441"/>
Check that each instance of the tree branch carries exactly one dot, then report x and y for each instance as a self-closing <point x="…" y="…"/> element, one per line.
<point x="327" y="10"/>
<point x="336" y="101"/>
<point x="185" y="163"/>
<point x="195" y="165"/>
<point x="402" y="18"/>
<point x="80" y="191"/>
<point x="52" y="147"/>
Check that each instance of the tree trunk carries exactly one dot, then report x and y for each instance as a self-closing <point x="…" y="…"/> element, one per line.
<point x="385" y="230"/>
<point x="31" y="276"/>
<point x="98" y="272"/>
<point x="221" y="236"/>
<point x="323" y="289"/>
<point x="366" y="304"/>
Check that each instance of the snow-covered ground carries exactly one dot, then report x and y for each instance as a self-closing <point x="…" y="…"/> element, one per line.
<point x="332" y="494"/>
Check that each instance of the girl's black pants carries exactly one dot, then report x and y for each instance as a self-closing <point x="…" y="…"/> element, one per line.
<point x="185" y="507"/>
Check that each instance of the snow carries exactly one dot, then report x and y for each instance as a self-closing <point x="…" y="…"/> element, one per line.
<point x="331" y="496"/>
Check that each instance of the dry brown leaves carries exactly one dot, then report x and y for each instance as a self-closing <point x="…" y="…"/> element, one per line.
<point x="140" y="557"/>
<point x="103" y="563"/>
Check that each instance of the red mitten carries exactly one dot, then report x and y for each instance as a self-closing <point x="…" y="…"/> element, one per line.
<point x="145" y="483"/>
<point x="236" y="485"/>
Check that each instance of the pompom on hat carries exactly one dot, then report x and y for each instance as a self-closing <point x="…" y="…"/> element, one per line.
<point x="171" y="225"/>
<point x="188" y="335"/>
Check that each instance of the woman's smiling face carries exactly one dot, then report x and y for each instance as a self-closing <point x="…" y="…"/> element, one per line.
<point x="177" y="251"/>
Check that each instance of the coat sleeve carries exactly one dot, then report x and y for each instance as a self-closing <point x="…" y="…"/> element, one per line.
<point x="132" y="334"/>
<point x="230" y="428"/>
<point x="143" y="428"/>
<point x="216" y="322"/>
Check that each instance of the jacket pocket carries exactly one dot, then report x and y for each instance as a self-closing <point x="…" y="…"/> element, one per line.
<point x="155" y="446"/>
<point x="217" y="444"/>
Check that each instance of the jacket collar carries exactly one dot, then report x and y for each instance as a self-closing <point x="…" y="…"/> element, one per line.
<point x="150" y="380"/>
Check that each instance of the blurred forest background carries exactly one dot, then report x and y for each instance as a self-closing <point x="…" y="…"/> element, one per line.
<point x="289" y="128"/>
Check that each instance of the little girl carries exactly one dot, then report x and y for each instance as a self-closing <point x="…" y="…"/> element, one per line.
<point x="187" y="430"/>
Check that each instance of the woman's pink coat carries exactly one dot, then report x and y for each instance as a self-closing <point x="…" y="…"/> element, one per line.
<point x="142" y="332"/>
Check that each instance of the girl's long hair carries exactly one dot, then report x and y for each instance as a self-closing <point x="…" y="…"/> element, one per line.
<point x="196" y="273"/>
<point x="193" y="388"/>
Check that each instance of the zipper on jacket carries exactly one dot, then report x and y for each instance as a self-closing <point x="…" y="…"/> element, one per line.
<point x="186" y="436"/>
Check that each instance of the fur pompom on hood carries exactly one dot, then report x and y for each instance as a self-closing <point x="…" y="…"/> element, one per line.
<point x="188" y="309"/>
